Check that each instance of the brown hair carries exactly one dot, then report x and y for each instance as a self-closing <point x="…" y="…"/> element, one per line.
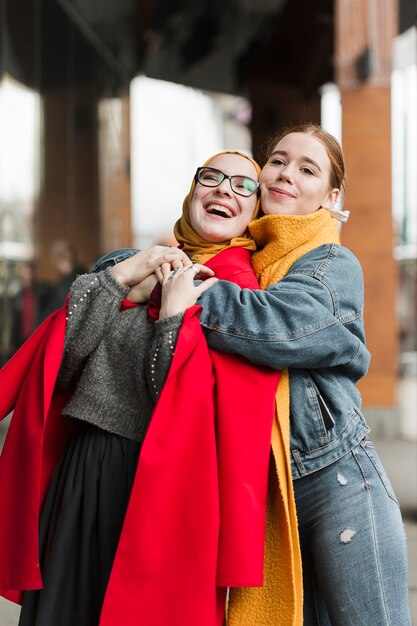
<point x="333" y="149"/>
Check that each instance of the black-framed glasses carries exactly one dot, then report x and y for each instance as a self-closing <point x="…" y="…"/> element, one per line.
<point x="242" y="185"/>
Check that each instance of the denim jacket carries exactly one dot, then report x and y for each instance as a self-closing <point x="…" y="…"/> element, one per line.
<point x="311" y="322"/>
<point x="110" y="259"/>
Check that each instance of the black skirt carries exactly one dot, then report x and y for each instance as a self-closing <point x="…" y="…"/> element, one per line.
<point x="80" y="527"/>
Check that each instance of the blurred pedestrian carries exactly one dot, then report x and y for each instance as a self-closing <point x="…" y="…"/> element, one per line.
<point x="28" y="305"/>
<point x="64" y="259"/>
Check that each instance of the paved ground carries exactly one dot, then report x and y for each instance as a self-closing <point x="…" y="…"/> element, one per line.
<point x="400" y="460"/>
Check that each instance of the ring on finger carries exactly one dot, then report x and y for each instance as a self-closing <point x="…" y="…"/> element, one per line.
<point x="192" y="267"/>
<point x="173" y="273"/>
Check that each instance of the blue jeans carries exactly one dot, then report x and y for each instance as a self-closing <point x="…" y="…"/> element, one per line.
<point x="353" y="544"/>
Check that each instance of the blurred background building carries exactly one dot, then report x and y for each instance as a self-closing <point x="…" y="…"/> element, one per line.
<point x="108" y="106"/>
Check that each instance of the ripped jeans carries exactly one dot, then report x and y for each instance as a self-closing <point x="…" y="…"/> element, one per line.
<point x="353" y="544"/>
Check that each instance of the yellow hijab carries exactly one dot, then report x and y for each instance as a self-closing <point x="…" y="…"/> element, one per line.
<point x="197" y="248"/>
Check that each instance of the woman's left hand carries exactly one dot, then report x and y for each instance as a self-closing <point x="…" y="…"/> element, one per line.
<point x="136" y="268"/>
<point x="178" y="289"/>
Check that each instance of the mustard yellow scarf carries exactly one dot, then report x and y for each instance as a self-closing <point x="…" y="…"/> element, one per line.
<point x="198" y="249"/>
<point x="284" y="239"/>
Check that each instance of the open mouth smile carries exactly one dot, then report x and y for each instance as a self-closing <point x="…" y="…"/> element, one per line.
<point x="220" y="210"/>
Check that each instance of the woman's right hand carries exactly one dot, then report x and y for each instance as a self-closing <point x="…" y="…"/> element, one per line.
<point x="178" y="289"/>
<point x="144" y="263"/>
<point x="141" y="292"/>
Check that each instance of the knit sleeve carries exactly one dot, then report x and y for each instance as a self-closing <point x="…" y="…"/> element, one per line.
<point x="94" y="301"/>
<point x="161" y="351"/>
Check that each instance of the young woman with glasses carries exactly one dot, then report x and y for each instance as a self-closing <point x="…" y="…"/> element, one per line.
<point x="213" y="231"/>
<point x="115" y="363"/>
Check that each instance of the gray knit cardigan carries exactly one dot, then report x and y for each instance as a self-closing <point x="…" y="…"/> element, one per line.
<point x="118" y="360"/>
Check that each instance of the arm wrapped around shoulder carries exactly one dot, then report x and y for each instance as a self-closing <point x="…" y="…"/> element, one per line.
<point x="313" y="318"/>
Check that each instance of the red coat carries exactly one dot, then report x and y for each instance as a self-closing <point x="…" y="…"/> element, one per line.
<point x="196" y="515"/>
<point x="33" y="445"/>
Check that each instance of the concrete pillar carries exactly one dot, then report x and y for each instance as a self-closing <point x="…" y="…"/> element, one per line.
<point x="68" y="201"/>
<point x="114" y="174"/>
<point x="85" y="195"/>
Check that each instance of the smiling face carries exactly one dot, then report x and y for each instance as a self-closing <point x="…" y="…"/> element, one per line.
<point x="217" y="213"/>
<point x="296" y="177"/>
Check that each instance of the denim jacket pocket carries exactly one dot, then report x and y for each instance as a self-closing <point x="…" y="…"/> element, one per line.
<point x="315" y="433"/>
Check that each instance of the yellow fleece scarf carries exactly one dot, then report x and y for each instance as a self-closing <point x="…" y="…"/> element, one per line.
<point x="198" y="249"/>
<point x="284" y="239"/>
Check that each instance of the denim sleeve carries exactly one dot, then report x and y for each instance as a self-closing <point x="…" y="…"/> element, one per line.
<point x="110" y="259"/>
<point x="291" y="324"/>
